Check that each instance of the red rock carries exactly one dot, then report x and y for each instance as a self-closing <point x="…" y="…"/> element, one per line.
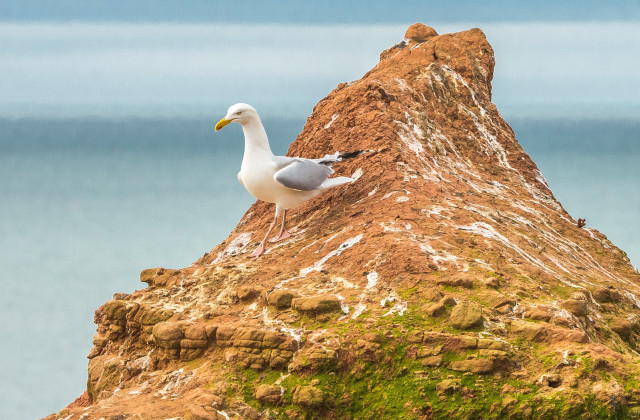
<point x="419" y="32"/>
<point x="445" y="199"/>
<point x="281" y="298"/>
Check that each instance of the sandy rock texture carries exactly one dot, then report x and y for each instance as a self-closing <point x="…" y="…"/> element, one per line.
<point x="446" y="282"/>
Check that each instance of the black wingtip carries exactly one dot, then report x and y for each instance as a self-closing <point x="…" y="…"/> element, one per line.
<point x="351" y="155"/>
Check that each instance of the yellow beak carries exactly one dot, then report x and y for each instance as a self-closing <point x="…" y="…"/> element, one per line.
<point x="222" y="123"/>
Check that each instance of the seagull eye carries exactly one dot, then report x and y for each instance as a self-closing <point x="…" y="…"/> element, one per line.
<point x="239" y="112"/>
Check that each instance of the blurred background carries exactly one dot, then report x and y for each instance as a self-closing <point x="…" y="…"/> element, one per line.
<point x="109" y="163"/>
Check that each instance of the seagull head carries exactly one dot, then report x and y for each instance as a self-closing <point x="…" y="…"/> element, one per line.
<point x="238" y="113"/>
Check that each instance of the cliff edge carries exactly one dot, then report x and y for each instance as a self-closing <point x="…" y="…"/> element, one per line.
<point x="446" y="281"/>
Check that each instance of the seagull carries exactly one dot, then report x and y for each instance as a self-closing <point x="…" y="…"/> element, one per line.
<point x="283" y="180"/>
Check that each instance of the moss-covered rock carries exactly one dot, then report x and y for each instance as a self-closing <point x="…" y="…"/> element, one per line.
<point x="478" y="366"/>
<point x="466" y="315"/>
<point x="621" y="326"/>
<point x="309" y="396"/>
<point x="317" y="305"/>
<point x="281" y="298"/>
<point x="269" y="394"/>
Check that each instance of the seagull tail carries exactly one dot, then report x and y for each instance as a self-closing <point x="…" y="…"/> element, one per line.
<point x="334" y="182"/>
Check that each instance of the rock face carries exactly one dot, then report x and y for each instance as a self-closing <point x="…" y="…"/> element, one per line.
<point x="446" y="281"/>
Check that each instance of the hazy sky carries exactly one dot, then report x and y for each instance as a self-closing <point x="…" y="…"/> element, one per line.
<point x="123" y="58"/>
<point x="320" y="11"/>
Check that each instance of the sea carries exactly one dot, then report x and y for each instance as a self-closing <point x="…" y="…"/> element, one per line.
<point x="87" y="203"/>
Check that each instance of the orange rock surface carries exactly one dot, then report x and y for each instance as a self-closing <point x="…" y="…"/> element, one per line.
<point x="446" y="281"/>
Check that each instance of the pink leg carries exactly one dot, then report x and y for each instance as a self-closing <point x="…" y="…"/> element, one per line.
<point x="283" y="232"/>
<point x="260" y="249"/>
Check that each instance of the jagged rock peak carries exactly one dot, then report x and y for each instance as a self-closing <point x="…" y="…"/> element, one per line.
<point x="446" y="281"/>
<point x="468" y="53"/>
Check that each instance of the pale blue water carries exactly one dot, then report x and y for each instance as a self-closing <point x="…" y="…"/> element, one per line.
<point x="85" y="205"/>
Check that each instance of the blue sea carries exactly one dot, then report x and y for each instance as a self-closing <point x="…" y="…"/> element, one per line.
<point x="86" y="204"/>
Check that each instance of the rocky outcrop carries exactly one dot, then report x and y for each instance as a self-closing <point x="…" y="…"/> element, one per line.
<point x="446" y="282"/>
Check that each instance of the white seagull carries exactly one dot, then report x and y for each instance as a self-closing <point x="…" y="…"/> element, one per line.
<point x="285" y="181"/>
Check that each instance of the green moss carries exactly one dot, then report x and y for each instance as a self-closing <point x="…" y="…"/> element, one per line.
<point x="547" y="360"/>
<point x="586" y="363"/>
<point x="401" y="388"/>
<point x="407" y="293"/>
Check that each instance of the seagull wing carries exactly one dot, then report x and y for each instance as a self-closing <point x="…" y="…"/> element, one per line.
<point x="301" y="174"/>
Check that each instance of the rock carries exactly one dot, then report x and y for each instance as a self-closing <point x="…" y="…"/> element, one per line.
<point x="419" y="32"/>
<point x="575" y="306"/>
<point x="467" y="342"/>
<point x="157" y="276"/>
<point x="309" y="396"/>
<point x="317" y="305"/>
<point x="436" y="309"/>
<point x="530" y="332"/>
<point x="485" y="343"/>
<point x="539" y="313"/>
<point x="250" y="293"/>
<point x="602" y="295"/>
<point x="193" y="344"/>
<point x="269" y="394"/>
<point x="211" y="331"/>
<point x="614" y="295"/>
<point x="415" y="336"/>
<point x="466" y="315"/>
<point x="456" y="282"/>
<point x="150" y="316"/>
<point x="447" y="387"/>
<point x="492" y="353"/>
<point x="552" y="380"/>
<point x="319" y="358"/>
<point x="225" y="332"/>
<point x="195" y="332"/>
<point x="197" y="412"/>
<point x="492" y="282"/>
<point x="104" y="376"/>
<point x="448" y="301"/>
<point x="606" y="295"/>
<point x="432" y="294"/>
<point x="281" y="298"/>
<point x="432" y="361"/>
<point x="621" y="326"/>
<point x="601" y="364"/>
<point x="580" y="295"/>
<point x="246" y="411"/>
<point x="115" y="310"/>
<point x="478" y="366"/>
<point x="505" y="306"/>
<point x="430" y="351"/>
<point x="166" y="331"/>
<point x="148" y="275"/>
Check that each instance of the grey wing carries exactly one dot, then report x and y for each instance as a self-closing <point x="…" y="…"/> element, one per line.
<point x="282" y="161"/>
<point x="302" y="174"/>
<point x="328" y="160"/>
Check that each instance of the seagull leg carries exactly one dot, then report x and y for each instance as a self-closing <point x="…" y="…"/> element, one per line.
<point x="260" y="249"/>
<point x="283" y="232"/>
